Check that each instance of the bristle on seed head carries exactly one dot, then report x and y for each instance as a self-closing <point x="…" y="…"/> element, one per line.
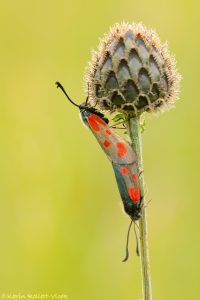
<point x="132" y="72"/>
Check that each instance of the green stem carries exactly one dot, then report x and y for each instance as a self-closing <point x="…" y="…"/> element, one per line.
<point x="133" y="127"/>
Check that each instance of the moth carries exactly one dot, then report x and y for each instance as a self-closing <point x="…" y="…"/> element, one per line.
<point x="122" y="157"/>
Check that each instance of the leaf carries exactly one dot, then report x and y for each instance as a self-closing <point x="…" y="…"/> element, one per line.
<point x="143" y="126"/>
<point x="119" y="117"/>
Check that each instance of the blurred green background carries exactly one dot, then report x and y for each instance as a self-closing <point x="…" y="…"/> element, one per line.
<point x="62" y="229"/>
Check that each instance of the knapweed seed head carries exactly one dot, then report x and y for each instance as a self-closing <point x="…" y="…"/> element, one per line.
<point x="132" y="72"/>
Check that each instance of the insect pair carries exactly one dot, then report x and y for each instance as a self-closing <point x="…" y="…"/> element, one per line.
<point x="122" y="157"/>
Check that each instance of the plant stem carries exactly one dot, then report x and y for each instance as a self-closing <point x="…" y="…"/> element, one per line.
<point x="133" y="127"/>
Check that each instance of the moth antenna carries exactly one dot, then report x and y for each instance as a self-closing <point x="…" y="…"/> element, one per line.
<point x="137" y="244"/>
<point x="127" y="242"/>
<point x="59" y="85"/>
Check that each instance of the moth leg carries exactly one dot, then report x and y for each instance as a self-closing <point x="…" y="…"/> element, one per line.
<point x="95" y="104"/>
<point x="144" y="193"/>
<point x="115" y="127"/>
<point x="142" y="204"/>
<point x="88" y="86"/>
<point x="146" y="204"/>
<point x="86" y="101"/>
<point x="140" y="173"/>
<point x="119" y="123"/>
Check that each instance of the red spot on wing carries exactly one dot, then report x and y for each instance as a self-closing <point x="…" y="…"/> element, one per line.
<point x="93" y="124"/>
<point x="106" y="143"/>
<point x="94" y="120"/>
<point x="131" y="192"/>
<point x="137" y="193"/>
<point x="134" y="176"/>
<point x="108" y="132"/>
<point x="134" y="193"/>
<point x="124" y="170"/>
<point x="97" y="119"/>
<point x="121" y="149"/>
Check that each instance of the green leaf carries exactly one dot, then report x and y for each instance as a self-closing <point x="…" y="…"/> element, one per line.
<point x="143" y="125"/>
<point x="119" y="117"/>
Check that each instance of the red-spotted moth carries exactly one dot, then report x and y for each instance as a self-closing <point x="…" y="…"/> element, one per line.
<point x="121" y="155"/>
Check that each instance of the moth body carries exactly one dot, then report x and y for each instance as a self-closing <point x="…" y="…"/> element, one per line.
<point x="122" y="157"/>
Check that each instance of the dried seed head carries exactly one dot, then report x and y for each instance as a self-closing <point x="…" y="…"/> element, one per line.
<point x="132" y="72"/>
